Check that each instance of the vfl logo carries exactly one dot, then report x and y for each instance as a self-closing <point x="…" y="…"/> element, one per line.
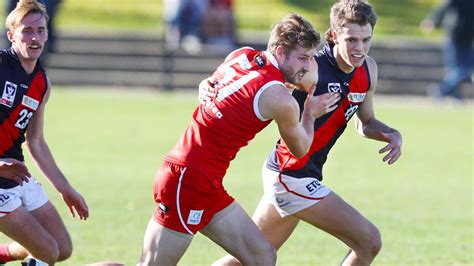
<point x="9" y="92"/>
<point x="195" y="217"/>
<point x="334" y="87"/>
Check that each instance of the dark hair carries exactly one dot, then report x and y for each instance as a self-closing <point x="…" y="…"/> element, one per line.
<point x="350" y="11"/>
<point x="291" y="31"/>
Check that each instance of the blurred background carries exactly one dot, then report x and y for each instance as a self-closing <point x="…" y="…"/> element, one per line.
<point x="110" y="142"/>
<point x="173" y="44"/>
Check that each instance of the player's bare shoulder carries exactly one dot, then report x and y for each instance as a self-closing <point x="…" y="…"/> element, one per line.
<point x="373" y="72"/>
<point x="372" y="65"/>
<point x="277" y="100"/>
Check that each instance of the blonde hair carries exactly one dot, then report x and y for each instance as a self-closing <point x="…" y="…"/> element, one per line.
<point x="291" y="31"/>
<point x="350" y="11"/>
<point x="23" y="8"/>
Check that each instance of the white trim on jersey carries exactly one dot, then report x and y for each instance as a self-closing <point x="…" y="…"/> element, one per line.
<point x="257" y="97"/>
<point x="177" y="201"/>
<point x="271" y="58"/>
<point x="236" y="50"/>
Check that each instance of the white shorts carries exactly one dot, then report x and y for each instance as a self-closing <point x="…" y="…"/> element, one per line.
<point x="30" y="195"/>
<point x="289" y="194"/>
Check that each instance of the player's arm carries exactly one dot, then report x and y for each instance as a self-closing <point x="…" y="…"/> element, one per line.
<point x="277" y="103"/>
<point x="41" y="154"/>
<point x="369" y="126"/>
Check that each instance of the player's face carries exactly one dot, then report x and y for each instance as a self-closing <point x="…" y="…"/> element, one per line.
<point x="352" y="45"/>
<point x="29" y="37"/>
<point x="296" y="64"/>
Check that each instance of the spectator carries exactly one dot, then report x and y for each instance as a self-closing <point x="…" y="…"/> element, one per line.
<point x="183" y="24"/>
<point x="457" y="16"/>
<point x="218" y="26"/>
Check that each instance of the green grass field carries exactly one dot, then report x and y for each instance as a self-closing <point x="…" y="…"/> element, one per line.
<point x="109" y="143"/>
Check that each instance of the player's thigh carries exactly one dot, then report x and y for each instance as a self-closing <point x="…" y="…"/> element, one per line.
<point x="163" y="246"/>
<point x="21" y="226"/>
<point x="49" y="218"/>
<point x="275" y="228"/>
<point x="233" y="229"/>
<point x="337" y="217"/>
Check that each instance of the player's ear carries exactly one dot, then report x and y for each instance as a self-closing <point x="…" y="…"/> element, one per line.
<point x="334" y="37"/>
<point x="279" y="52"/>
<point x="10" y="36"/>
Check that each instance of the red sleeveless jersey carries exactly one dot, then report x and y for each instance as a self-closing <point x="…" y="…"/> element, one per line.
<point x="228" y="121"/>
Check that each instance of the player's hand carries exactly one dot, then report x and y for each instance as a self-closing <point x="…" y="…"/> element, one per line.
<point x="75" y="203"/>
<point x="14" y="170"/>
<point x="320" y="105"/>
<point x="394" y="146"/>
<point x="206" y="90"/>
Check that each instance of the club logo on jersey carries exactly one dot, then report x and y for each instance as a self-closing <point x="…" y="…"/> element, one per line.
<point x="30" y="102"/>
<point x="356" y="97"/>
<point x="195" y="217"/>
<point x="334" y="87"/>
<point x="350" y="111"/>
<point x="260" y="61"/>
<point x="9" y="92"/>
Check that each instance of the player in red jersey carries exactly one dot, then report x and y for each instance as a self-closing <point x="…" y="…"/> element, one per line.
<point x="26" y="214"/>
<point x="292" y="186"/>
<point x="188" y="187"/>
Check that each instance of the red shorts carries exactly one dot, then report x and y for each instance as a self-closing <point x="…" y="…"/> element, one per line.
<point x="185" y="199"/>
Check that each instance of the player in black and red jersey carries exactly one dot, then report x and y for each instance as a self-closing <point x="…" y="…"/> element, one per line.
<point x="292" y="186"/>
<point x="26" y="214"/>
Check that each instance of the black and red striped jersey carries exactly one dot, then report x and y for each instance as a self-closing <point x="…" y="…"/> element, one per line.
<point x="328" y="128"/>
<point x="21" y="95"/>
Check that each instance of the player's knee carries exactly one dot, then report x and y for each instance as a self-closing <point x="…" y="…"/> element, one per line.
<point x="49" y="253"/>
<point x="266" y="256"/>
<point x="376" y="242"/>
<point x="373" y="242"/>
<point x="65" y="252"/>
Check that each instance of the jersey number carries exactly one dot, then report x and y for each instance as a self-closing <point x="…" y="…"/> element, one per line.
<point x="23" y="119"/>
<point x="228" y="81"/>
